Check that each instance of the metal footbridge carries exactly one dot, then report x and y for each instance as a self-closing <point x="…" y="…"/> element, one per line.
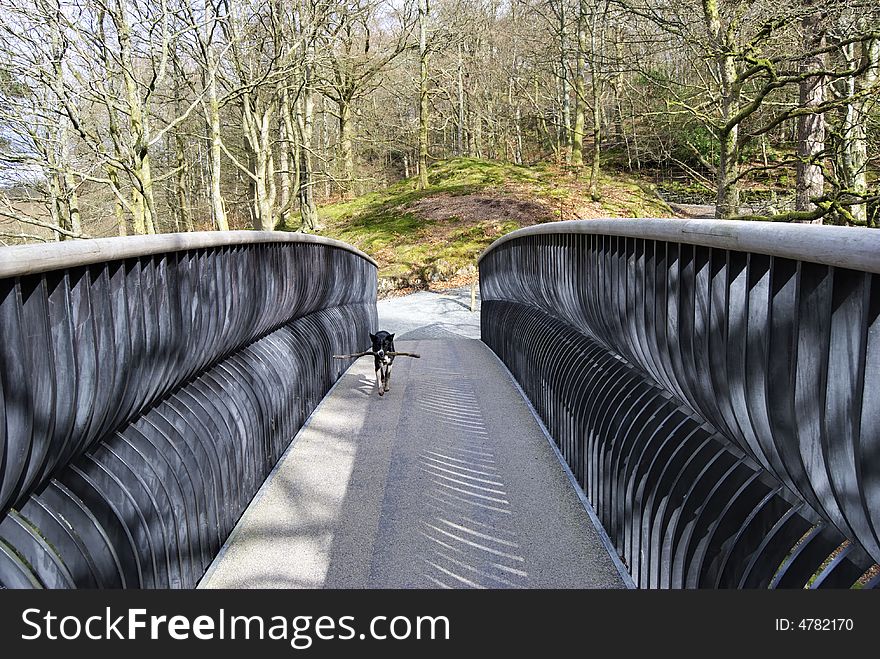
<point x="639" y="403"/>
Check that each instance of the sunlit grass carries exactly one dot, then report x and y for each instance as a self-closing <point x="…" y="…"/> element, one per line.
<point x="409" y="246"/>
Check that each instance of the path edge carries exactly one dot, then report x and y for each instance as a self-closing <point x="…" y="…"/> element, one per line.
<point x="625" y="576"/>
<point x="261" y="492"/>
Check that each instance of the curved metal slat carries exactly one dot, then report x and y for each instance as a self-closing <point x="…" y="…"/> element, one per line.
<point x="18" y="405"/>
<point x="15" y="573"/>
<point x="65" y="541"/>
<point x="42" y="561"/>
<point x="103" y="559"/>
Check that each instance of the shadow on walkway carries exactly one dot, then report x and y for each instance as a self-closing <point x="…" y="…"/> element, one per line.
<point x="446" y="481"/>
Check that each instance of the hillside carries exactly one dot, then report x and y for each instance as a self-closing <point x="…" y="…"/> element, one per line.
<point x="432" y="238"/>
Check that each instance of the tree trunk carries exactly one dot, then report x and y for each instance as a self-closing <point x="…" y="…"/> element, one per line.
<point x="565" y="129"/>
<point x="271" y="185"/>
<point x="306" y="122"/>
<point x="597" y="137"/>
<point x="56" y="205"/>
<point x="811" y="127"/>
<point x="73" y="214"/>
<point x="143" y="203"/>
<point x="118" y="208"/>
<point x="617" y="86"/>
<point x="146" y="178"/>
<point x="182" y="196"/>
<point x="459" y="129"/>
<point x="477" y="133"/>
<point x="424" y="8"/>
<point x="596" y="87"/>
<point x="138" y="212"/>
<point x="296" y="163"/>
<point x="346" y="147"/>
<point x="215" y="192"/>
<point x="517" y="119"/>
<point x="854" y="142"/>
<point x="257" y="126"/>
<point x="727" y="196"/>
<point x="267" y="178"/>
<point x="324" y="137"/>
<point x="286" y="177"/>
<point x="308" y="209"/>
<point x="577" y="138"/>
<point x="289" y="153"/>
<point x="262" y="207"/>
<point x="218" y="209"/>
<point x="251" y="164"/>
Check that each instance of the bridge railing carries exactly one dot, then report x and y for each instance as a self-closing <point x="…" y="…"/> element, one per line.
<point x="714" y="387"/>
<point x="147" y="387"/>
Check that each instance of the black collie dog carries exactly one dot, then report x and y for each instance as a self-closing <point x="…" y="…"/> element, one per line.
<point x="383" y="343"/>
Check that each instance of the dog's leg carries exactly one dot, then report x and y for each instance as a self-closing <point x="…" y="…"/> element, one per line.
<point x="379" y="381"/>
<point x="388" y="378"/>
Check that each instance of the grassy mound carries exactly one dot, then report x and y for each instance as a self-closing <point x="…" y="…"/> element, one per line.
<point x="423" y="237"/>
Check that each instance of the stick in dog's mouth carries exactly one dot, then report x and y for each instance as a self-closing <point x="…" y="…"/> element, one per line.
<point x="370" y="352"/>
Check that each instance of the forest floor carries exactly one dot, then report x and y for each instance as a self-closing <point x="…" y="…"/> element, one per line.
<point x="431" y="238"/>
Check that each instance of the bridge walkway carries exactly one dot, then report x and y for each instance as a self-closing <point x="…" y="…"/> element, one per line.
<point x="445" y="482"/>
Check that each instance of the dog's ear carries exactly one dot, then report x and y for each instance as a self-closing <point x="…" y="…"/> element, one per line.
<point x="390" y="337"/>
<point x="372" y="337"/>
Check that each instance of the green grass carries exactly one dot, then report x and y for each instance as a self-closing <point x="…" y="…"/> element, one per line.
<point x="472" y="172"/>
<point x="458" y="176"/>
<point x="409" y="246"/>
<point x="457" y="250"/>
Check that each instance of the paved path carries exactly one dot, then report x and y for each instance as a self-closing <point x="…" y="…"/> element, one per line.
<point x="446" y="481"/>
<point x="693" y="211"/>
<point x="426" y="315"/>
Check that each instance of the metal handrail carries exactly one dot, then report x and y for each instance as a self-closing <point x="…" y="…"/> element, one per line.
<point x="19" y="260"/>
<point x="856" y="248"/>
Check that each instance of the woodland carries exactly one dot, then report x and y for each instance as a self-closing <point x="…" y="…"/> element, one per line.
<point x="122" y="117"/>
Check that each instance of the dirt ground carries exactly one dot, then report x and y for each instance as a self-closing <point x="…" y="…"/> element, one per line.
<point x="510" y="203"/>
<point x="480" y="207"/>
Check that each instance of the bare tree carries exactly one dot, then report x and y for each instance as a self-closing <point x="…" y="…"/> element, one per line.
<point x="862" y="92"/>
<point x="811" y="125"/>
<point x="35" y="147"/>
<point x="424" y="53"/>
<point x="358" y="52"/>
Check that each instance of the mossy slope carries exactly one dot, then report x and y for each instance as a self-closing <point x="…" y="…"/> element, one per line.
<point x="435" y="234"/>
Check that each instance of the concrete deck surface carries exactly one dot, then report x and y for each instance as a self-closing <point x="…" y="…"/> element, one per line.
<point x="447" y="481"/>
